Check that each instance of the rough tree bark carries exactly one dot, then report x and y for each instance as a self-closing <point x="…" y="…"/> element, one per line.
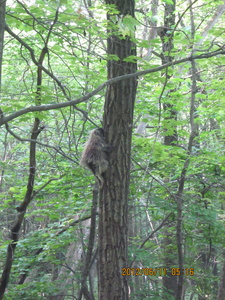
<point x="118" y="119"/>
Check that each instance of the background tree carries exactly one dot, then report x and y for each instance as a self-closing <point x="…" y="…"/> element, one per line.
<point x="2" y="26"/>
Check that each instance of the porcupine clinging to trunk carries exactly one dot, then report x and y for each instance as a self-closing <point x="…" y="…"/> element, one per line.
<point x="95" y="155"/>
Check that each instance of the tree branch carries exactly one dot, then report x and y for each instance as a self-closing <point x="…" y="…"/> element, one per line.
<point x="39" y="143"/>
<point x="37" y="63"/>
<point x="47" y="107"/>
<point x="155" y="230"/>
<point x="151" y="235"/>
<point x="218" y="13"/>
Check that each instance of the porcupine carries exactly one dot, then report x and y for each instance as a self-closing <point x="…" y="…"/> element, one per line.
<point x="95" y="155"/>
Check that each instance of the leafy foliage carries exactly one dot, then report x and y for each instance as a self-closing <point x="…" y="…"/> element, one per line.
<point x="52" y="244"/>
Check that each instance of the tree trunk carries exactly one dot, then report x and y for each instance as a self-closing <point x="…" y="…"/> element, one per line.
<point x="15" y="230"/>
<point x="170" y="256"/>
<point x="221" y="291"/>
<point x="2" y="29"/>
<point x="118" y="119"/>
